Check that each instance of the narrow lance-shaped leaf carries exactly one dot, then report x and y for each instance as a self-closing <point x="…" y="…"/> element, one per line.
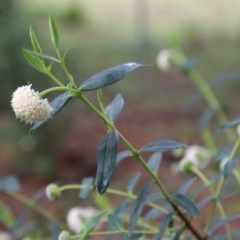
<point x="53" y="31"/>
<point x="155" y="161"/>
<point x="34" y="41"/>
<point x="57" y="104"/>
<point x="43" y="55"/>
<point x="164" y="225"/>
<point x="186" y="203"/>
<point x="34" y="61"/>
<point x="88" y="183"/>
<point x="109" y="76"/>
<point x="185" y="187"/>
<point x="231" y="124"/>
<point x="122" y="155"/>
<point x="115" y="107"/>
<point x="106" y="160"/>
<point x="133" y="182"/>
<point x="162" y="146"/>
<point x="139" y="204"/>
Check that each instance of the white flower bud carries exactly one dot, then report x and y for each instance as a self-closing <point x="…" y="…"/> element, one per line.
<point x="64" y="235"/>
<point x="53" y="192"/>
<point x="29" y="106"/>
<point x="77" y="218"/>
<point x="196" y="156"/>
<point x="238" y="130"/>
<point x="163" y="59"/>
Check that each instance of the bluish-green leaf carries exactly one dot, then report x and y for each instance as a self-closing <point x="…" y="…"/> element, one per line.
<point x="114" y="222"/>
<point x="109" y="76"/>
<point x="53" y="32"/>
<point x="106" y="160"/>
<point x="228" y="167"/>
<point x="163" y="226"/>
<point x="133" y="182"/>
<point x="185" y="187"/>
<point x="57" y="104"/>
<point x="34" y="41"/>
<point x="221" y="222"/>
<point x="122" y="155"/>
<point x="115" y="107"/>
<point x="162" y="146"/>
<point x="88" y="182"/>
<point x="186" y="203"/>
<point x="155" y="161"/>
<point x="9" y="183"/>
<point x="205" y="201"/>
<point x="34" y="61"/>
<point x="139" y="204"/>
<point x="231" y="124"/>
<point x="92" y="224"/>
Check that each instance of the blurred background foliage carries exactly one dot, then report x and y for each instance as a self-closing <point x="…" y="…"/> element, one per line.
<point x="109" y="33"/>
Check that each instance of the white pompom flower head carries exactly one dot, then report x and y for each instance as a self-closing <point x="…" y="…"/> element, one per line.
<point x="29" y="106"/>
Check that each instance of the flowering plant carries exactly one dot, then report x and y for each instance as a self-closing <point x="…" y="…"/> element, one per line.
<point x="153" y="212"/>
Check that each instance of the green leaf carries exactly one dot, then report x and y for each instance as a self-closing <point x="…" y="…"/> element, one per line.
<point x="45" y="56"/>
<point x="106" y="160"/>
<point x="186" y="203"/>
<point x="109" y="76"/>
<point x="6" y="217"/>
<point x="230" y="124"/>
<point x="57" y="104"/>
<point x="83" y="194"/>
<point x="34" y="41"/>
<point x="139" y="204"/>
<point x="154" y="162"/>
<point x="115" y="107"/>
<point x="162" y="146"/>
<point x="164" y="225"/>
<point x="53" y="31"/>
<point x="34" y="61"/>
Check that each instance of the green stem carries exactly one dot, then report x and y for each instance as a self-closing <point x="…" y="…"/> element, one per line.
<point x="114" y="192"/>
<point x="53" y="89"/>
<point x="140" y="159"/>
<point x="216" y="197"/>
<point x="31" y="205"/>
<point x="65" y="70"/>
<point x="211" y="99"/>
<point x="49" y="74"/>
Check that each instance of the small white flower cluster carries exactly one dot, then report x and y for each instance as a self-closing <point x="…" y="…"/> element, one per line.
<point x="29" y="106"/>
<point x="195" y="155"/>
<point x="77" y="218"/>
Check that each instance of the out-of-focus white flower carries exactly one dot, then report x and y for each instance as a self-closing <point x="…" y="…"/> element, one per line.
<point x="238" y="130"/>
<point x="195" y="155"/>
<point x="4" y="235"/>
<point x="163" y="59"/>
<point x="77" y="218"/>
<point x="29" y="106"/>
